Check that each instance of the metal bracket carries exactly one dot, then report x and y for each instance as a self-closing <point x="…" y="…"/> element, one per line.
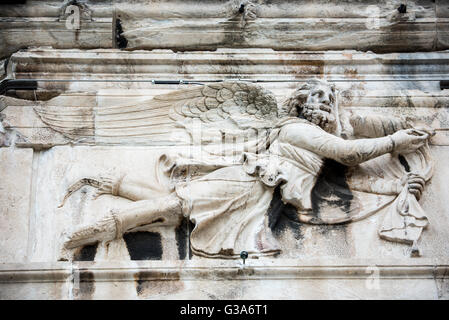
<point x="175" y="82"/>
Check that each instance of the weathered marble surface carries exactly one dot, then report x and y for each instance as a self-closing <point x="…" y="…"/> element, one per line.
<point x="205" y="280"/>
<point x="44" y="23"/>
<point x="36" y="180"/>
<point x="392" y="84"/>
<point x="194" y="25"/>
<point x="58" y="167"/>
<point x="308" y="25"/>
<point x="398" y="84"/>
<point x="442" y="13"/>
<point x="267" y="65"/>
<point x="15" y="200"/>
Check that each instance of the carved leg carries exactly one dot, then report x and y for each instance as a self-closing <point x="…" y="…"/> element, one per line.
<point x="162" y="211"/>
<point x="126" y="186"/>
<point x="136" y="188"/>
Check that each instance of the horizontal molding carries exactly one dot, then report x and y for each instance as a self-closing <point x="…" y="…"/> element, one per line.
<point x="261" y="64"/>
<point x="43" y="23"/>
<point x="187" y="25"/>
<point x="16" y="36"/>
<point x="219" y="270"/>
<point x="305" y="25"/>
<point x="405" y="83"/>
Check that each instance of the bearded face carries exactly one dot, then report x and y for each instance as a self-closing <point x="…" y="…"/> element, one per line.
<point x="319" y="108"/>
<point x="315" y="102"/>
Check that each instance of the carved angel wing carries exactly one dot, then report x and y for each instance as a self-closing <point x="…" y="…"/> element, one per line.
<point x="170" y="118"/>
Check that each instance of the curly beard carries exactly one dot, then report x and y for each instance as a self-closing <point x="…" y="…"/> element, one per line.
<point x="323" y="119"/>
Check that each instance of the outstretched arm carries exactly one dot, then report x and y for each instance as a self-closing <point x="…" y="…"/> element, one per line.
<point x="375" y="125"/>
<point x="351" y="152"/>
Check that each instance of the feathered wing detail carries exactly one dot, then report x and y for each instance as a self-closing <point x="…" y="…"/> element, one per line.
<point x="76" y="123"/>
<point x="174" y="118"/>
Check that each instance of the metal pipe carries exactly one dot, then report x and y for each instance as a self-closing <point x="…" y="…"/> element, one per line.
<point x="154" y="81"/>
<point x="32" y="84"/>
<point x="15" y="84"/>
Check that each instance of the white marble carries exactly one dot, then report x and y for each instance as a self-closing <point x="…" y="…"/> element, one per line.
<point x="385" y="69"/>
<point x="15" y="200"/>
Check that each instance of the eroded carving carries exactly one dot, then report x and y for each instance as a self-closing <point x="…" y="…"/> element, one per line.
<point x="226" y="190"/>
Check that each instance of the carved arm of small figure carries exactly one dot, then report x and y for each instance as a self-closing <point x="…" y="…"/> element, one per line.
<point x="354" y="152"/>
<point x="374" y="125"/>
<point x="366" y="183"/>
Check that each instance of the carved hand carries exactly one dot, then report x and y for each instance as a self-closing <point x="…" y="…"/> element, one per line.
<point x="106" y="185"/>
<point x="409" y="140"/>
<point x="415" y="184"/>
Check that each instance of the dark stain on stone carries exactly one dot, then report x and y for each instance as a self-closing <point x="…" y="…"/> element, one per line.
<point x="331" y="188"/>
<point x="404" y="34"/>
<point x="139" y="286"/>
<point x="86" y="253"/>
<point x="182" y="238"/>
<point x="144" y="245"/>
<point x="142" y="279"/>
<point x="332" y="236"/>
<point x="40" y="95"/>
<point x="283" y="216"/>
<point x="120" y="40"/>
<point x="326" y="228"/>
<point x="410" y="103"/>
<point x="282" y="27"/>
<point x="404" y="162"/>
<point x="145" y="281"/>
<point x="301" y="67"/>
<point x="226" y="252"/>
<point x="191" y="227"/>
<point x="234" y="33"/>
<point x="248" y="271"/>
<point x="86" y="286"/>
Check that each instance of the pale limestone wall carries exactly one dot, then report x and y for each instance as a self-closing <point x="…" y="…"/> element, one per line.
<point x="15" y="185"/>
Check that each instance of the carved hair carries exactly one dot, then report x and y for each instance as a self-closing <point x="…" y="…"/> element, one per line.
<point x="293" y="105"/>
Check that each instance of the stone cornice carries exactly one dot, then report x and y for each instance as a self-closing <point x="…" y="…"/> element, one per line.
<point x="254" y="64"/>
<point x="224" y="270"/>
<point x="186" y="25"/>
